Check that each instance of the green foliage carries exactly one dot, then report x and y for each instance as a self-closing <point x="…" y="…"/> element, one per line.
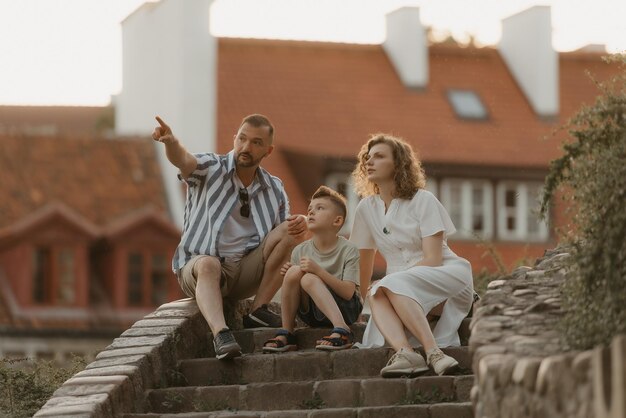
<point x="592" y="176"/>
<point x="316" y="403"/>
<point x="25" y="385"/>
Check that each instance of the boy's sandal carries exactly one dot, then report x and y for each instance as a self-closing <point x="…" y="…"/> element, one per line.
<point x="280" y="345"/>
<point x="346" y="340"/>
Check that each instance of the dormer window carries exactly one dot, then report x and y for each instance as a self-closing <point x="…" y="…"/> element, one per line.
<point x="467" y="104"/>
<point x="54" y="276"/>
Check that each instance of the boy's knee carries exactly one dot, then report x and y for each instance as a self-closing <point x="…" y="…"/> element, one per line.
<point x="293" y="275"/>
<point x="309" y="280"/>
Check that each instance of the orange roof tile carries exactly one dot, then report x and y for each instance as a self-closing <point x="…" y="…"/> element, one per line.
<point x="326" y="98"/>
<point x="100" y="179"/>
<point x="54" y="120"/>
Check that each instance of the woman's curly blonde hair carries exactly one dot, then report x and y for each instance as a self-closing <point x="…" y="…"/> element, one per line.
<point x="409" y="175"/>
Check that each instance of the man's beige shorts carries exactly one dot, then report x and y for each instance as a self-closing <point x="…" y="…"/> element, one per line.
<point x="240" y="279"/>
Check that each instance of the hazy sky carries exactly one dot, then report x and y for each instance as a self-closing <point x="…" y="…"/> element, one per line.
<point x="69" y="51"/>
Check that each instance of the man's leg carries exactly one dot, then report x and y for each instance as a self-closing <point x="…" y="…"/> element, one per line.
<point x="276" y="253"/>
<point x="208" y="273"/>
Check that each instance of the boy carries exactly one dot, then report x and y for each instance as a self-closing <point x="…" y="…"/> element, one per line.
<point x="321" y="281"/>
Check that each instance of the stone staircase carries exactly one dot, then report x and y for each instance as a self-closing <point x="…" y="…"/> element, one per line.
<point x="164" y="366"/>
<point x="307" y="383"/>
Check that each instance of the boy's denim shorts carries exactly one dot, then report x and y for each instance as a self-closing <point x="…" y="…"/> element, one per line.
<point x="350" y="309"/>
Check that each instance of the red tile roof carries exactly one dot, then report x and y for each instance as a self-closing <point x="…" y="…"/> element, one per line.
<point x="100" y="179"/>
<point x="54" y="120"/>
<point x="326" y="98"/>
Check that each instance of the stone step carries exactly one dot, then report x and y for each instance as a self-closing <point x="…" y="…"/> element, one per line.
<point x="303" y="365"/>
<point x="342" y="393"/>
<point x="438" y="410"/>
<point x="251" y="340"/>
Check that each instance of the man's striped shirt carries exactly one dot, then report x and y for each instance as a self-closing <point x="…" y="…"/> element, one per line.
<point x="211" y="196"/>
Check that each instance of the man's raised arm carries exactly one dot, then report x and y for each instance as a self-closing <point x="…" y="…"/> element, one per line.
<point x="174" y="150"/>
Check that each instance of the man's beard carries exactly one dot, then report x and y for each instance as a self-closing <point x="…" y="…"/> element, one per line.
<point x="250" y="162"/>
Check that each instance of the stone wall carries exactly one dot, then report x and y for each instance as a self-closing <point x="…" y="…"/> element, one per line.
<point x="145" y="356"/>
<point x="522" y="367"/>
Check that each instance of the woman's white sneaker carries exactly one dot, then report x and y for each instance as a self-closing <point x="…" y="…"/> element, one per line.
<point x="441" y="363"/>
<point x="404" y="363"/>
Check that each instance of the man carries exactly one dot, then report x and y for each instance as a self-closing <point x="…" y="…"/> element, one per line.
<point x="237" y="231"/>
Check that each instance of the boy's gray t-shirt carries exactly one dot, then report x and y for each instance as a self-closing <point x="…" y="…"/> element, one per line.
<point x="342" y="262"/>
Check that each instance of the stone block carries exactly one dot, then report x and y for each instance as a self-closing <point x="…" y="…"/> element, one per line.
<point x="494" y="284"/>
<point x="339" y="393"/>
<point x="488" y="367"/>
<point x="122" y="352"/>
<point x="160" y="322"/>
<point x="381" y="392"/>
<point x="333" y="413"/>
<point x="258" y="368"/>
<point x="127" y="342"/>
<point x="266" y="396"/>
<point x="506" y="369"/>
<point x="439" y="387"/>
<point x="398" y="411"/>
<point x="292" y="413"/>
<point x="448" y="410"/>
<point x="216" y="398"/>
<point x="138" y="381"/>
<point x="119" y="390"/>
<point x="172" y="313"/>
<point x="581" y="366"/>
<point x="525" y="372"/>
<point x="172" y="400"/>
<point x="462" y="388"/>
<point x="117" y="361"/>
<point x="83" y="410"/>
<point x="149" y="331"/>
<point x="98" y="398"/>
<point x="207" y="372"/>
<point x="358" y="362"/>
<point x="302" y="365"/>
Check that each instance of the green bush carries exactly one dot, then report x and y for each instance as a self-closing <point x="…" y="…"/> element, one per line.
<point x="25" y="385"/>
<point x="591" y="175"/>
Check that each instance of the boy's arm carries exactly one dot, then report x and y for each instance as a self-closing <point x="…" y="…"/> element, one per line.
<point x="366" y="268"/>
<point x="343" y="288"/>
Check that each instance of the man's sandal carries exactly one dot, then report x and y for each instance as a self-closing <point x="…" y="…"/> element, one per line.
<point x="281" y="346"/>
<point x="345" y="340"/>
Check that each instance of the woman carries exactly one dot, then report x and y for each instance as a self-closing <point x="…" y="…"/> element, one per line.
<point x="410" y="227"/>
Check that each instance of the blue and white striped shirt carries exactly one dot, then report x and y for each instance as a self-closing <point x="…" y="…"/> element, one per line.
<point x="211" y="196"/>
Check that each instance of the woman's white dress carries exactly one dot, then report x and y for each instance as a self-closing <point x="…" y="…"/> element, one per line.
<point x="397" y="234"/>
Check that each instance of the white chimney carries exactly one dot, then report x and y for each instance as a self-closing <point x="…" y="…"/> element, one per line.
<point x="406" y="45"/>
<point x="526" y="47"/>
<point x="169" y="69"/>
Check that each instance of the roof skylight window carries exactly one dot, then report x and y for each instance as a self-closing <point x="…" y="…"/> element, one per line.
<point x="467" y="104"/>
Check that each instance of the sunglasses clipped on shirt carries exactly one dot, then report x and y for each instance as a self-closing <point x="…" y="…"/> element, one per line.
<point x="245" y="203"/>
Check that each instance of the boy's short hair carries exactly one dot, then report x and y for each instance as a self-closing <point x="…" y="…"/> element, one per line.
<point x="336" y="198"/>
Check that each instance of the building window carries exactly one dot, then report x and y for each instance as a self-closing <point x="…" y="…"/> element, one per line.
<point x="148" y="276"/>
<point x="518" y="219"/>
<point x="159" y="274"/>
<point x="135" y="279"/>
<point x="66" y="294"/>
<point x="431" y="186"/>
<point x="470" y="206"/>
<point x="54" y="276"/>
<point x="42" y="275"/>
<point x="342" y="183"/>
<point x="467" y="104"/>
